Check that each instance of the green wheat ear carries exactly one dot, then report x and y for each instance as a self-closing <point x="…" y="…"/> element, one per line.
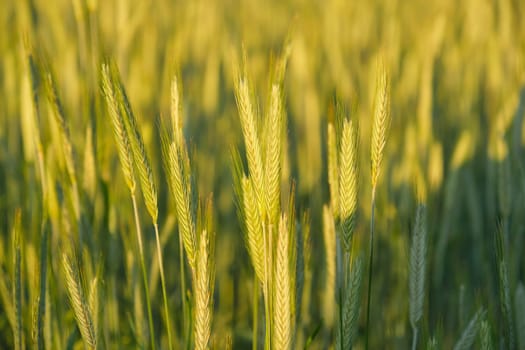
<point x="381" y="122"/>
<point x="417" y="269"/>
<point x="78" y="302"/>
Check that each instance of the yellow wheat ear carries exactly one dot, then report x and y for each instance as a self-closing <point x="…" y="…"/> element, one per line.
<point x="381" y="122"/>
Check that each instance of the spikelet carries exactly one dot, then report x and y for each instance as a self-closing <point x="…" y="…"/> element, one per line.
<point x="79" y="303"/>
<point x="204" y="286"/>
<point x="282" y="322"/>
<point x="119" y="130"/>
<point x="381" y="122"/>
<point x="254" y="232"/>
<point x="348" y="181"/>
<point x="417" y="268"/>
<point x="272" y="171"/>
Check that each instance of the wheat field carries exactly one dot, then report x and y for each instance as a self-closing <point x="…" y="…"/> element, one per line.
<point x="262" y="175"/>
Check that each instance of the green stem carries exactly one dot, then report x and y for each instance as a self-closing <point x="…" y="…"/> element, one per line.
<point x="163" y="283"/>
<point x="370" y="264"/>
<point x="255" y="312"/>
<point x="185" y="315"/>
<point x="143" y="267"/>
<point x="414" y="338"/>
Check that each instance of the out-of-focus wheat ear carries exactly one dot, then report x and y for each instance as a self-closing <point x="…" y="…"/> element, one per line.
<point x="251" y="138"/>
<point x="93" y="302"/>
<point x="333" y="170"/>
<point x="348" y="182"/>
<point x="416" y="281"/>
<point x="486" y="338"/>
<point x="282" y="322"/>
<point x="381" y="122"/>
<point x="329" y="238"/>
<point x="432" y="344"/>
<point x="59" y="117"/>
<point x="17" y="286"/>
<point x="504" y="289"/>
<point x="7" y="300"/>
<point x="519" y="312"/>
<point x="89" y="179"/>
<point x="182" y="203"/>
<point x="38" y="330"/>
<point x="351" y="303"/>
<point x="176" y="111"/>
<point x="119" y="130"/>
<point x="138" y="149"/>
<point x="273" y="144"/>
<point x="254" y="229"/>
<point x="467" y="338"/>
<point x="78" y="302"/>
<point x="417" y="270"/>
<point x="204" y="287"/>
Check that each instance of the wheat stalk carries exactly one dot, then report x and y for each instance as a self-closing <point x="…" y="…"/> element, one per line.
<point x="329" y="239"/>
<point x="17" y="286"/>
<point x="381" y="124"/>
<point x="519" y="312"/>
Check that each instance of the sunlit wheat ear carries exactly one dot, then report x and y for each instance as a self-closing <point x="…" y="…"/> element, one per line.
<point x="251" y="137"/>
<point x="282" y="326"/>
<point x="138" y="149"/>
<point x="78" y="302"/>
<point x="254" y="232"/>
<point x="182" y="194"/>
<point x="119" y="130"/>
<point x="333" y="170"/>
<point x="418" y="252"/>
<point x="348" y="181"/>
<point x="351" y="303"/>
<point x="467" y="338"/>
<point x="272" y="172"/>
<point x="381" y="122"/>
<point x="204" y="287"/>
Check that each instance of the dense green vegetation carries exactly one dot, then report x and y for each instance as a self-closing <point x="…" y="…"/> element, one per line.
<point x="214" y="174"/>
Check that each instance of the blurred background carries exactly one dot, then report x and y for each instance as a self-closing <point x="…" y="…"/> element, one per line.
<point x="457" y="138"/>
